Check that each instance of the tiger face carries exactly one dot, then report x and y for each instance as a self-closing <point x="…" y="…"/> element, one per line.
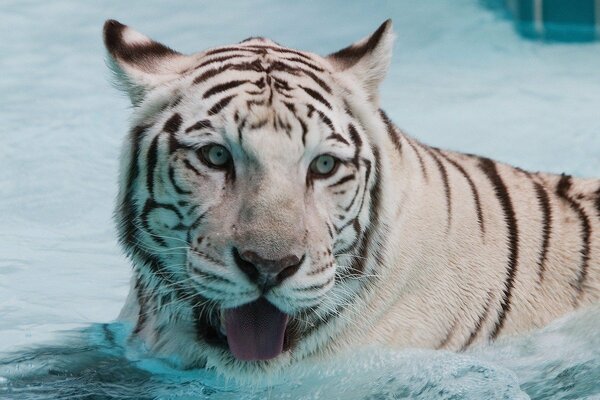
<point x="247" y="184"/>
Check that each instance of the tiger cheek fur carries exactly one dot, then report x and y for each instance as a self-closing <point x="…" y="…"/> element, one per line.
<point x="258" y="177"/>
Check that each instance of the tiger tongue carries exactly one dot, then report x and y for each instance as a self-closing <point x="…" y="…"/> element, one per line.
<point x="255" y="331"/>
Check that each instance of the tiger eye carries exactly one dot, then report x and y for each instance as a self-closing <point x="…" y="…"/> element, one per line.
<point x="215" y="155"/>
<point x="323" y="165"/>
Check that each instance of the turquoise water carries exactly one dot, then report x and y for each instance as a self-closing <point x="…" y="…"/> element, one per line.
<point x="461" y="78"/>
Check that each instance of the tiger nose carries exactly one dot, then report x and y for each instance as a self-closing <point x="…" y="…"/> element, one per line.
<point x="266" y="273"/>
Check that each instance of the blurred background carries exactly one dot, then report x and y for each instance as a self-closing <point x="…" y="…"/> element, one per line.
<point x="514" y="80"/>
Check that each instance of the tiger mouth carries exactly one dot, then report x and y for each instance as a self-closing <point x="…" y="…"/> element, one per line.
<point x="257" y="331"/>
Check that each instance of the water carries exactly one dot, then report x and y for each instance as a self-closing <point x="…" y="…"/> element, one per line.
<point x="461" y="78"/>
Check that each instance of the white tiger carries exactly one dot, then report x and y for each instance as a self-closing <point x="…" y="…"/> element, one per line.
<point x="273" y="213"/>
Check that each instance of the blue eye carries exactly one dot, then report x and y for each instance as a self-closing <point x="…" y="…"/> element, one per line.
<point x="215" y="155"/>
<point x="324" y="165"/>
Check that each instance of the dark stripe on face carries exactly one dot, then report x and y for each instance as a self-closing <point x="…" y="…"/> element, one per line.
<point x="546" y="211"/>
<point x="172" y="125"/>
<point x="174" y="183"/>
<point x="150" y="206"/>
<point x="324" y="118"/>
<point x="444" y="175"/>
<point x="420" y="158"/>
<point x="242" y="66"/>
<point x="316" y="95"/>
<point x="223" y="87"/>
<point x="394" y="136"/>
<point x="318" y="80"/>
<point x="278" y="50"/>
<point x="358" y="264"/>
<point x="355" y="137"/>
<point x="338" y="138"/>
<point x="304" y="131"/>
<point x="342" y="180"/>
<point x="220" y="105"/>
<point x="228" y="50"/>
<point x="562" y="190"/>
<point x="489" y="168"/>
<point x="218" y="59"/>
<point x="479" y="324"/>
<point x="152" y="160"/>
<point x="474" y="191"/>
<point x="189" y="166"/>
<point x="304" y="62"/>
<point x="203" y="124"/>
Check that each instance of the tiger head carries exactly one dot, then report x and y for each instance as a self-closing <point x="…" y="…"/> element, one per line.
<point x="249" y="184"/>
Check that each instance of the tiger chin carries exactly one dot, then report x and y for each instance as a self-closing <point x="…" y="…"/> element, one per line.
<point x="273" y="213"/>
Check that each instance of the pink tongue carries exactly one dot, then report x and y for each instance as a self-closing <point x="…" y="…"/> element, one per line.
<point x="255" y="331"/>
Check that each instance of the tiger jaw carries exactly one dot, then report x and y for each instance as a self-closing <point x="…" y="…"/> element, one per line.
<point x="254" y="324"/>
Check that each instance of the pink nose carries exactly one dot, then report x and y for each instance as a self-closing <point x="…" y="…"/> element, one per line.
<point x="266" y="273"/>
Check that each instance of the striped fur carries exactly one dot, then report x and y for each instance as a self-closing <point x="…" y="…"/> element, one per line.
<point x="403" y="244"/>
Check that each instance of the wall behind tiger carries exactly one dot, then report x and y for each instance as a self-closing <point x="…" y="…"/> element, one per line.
<point x="461" y="78"/>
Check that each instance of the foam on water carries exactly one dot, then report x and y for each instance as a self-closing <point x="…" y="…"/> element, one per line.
<point x="461" y="78"/>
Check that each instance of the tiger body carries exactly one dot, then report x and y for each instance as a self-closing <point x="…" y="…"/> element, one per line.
<point x="404" y="244"/>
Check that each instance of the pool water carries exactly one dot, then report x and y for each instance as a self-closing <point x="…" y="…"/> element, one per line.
<point x="461" y="78"/>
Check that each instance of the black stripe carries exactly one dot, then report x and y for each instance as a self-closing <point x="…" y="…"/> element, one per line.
<point x="356" y="139"/>
<point x="316" y="95"/>
<point x="255" y="66"/>
<point x="150" y="206"/>
<point x="546" y="211"/>
<point x="447" y="191"/>
<point x="358" y="264"/>
<point x="189" y="166"/>
<point x="142" y="301"/>
<point x="174" y="183"/>
<point x="308" y="64"/>
<point x="339" y="138"/>
<point x="172" y="125"/>
<point x="219" y="59"/>
<point x="304" y="131"/>
<point x="152" y="160"/>
<point x="490" y="170"/>
<point x="449" y="335"/>
<point x="357" y="191"/>
<point x="324" y="118"/>
<point x="562" y="190"/>
<point x="342" y="180"/>
<point x="223" y="87"/>
<point x="278" y="50"/>
<point x="391" y="131"/>
<point x="474" y="191"/>
<point x="228" y="50"/>
<point x="318" y="80"/>
<point x="420" y="158"/>
<point x="202" y="124"/>
<point x="240" y="130"/>
<point x="220" y="105"/>
<point x="479" y="324"/>
<point x="598" y="201"/>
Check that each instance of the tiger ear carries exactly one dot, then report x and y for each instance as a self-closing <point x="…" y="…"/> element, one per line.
<point x="138" y="62"/>
<point x="368" y="59"/>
